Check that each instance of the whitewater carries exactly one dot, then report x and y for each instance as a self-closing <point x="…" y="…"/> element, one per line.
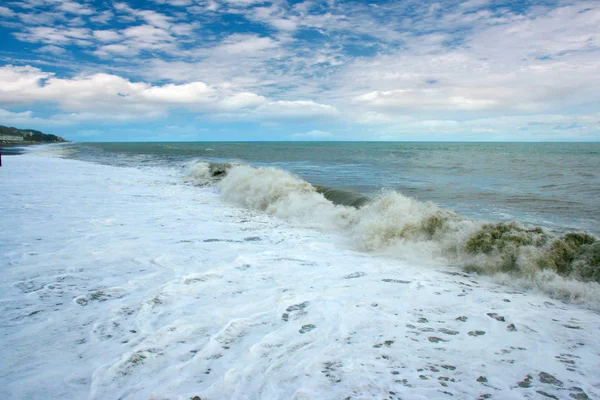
<point x="166" y="282"/>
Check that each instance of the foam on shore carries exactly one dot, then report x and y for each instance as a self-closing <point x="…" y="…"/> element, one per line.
<point x="564" y="266"/>
<point x="124" y="283"/>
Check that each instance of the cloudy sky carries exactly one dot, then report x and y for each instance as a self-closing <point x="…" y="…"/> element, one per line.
<point x="96" y="70"/>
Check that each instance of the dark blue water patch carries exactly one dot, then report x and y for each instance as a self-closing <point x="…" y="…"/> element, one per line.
<point x="12" y="150"/>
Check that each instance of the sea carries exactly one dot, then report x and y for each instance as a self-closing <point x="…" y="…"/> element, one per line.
<point x="300" y="270"/>
<point x="553" y="185"/>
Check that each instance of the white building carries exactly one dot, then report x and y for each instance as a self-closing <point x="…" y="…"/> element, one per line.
<point x="10" y="138"/>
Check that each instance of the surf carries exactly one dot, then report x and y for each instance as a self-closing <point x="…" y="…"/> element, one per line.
<point x="563" y="265"/>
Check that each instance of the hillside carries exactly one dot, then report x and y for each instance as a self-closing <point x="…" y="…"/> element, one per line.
<point x="25" y="136"/>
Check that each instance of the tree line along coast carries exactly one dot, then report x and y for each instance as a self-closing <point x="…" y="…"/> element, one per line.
<point x="10" y="135"/>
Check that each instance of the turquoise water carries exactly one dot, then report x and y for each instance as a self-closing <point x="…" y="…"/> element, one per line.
<point x="554" y="185"/>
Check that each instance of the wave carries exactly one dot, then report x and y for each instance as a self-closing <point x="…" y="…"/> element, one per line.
<point x="565" y="266"/>
<point x="343" y="197"/>
<point x="202" y="173"/>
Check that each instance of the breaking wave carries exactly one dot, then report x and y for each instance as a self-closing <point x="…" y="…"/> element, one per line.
<point x="202" y="173"/>
<point x="564" y="266"/>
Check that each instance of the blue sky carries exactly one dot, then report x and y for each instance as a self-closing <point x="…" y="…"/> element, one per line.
<point x="302" y="70"/>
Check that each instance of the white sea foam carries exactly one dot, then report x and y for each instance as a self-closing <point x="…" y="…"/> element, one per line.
<point x="281" y="194"/>
<point x="199" y="173"/>
<point x="120" y="283"/>
<point x="393" y="224"/>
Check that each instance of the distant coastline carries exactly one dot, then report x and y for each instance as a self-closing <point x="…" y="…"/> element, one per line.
<point x="15" y="136"/>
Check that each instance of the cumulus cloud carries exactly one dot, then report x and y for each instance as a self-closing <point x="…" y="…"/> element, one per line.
<point x="101" y="95"/>
<point x="16" y="81"/>
<point x="242" y="100"/>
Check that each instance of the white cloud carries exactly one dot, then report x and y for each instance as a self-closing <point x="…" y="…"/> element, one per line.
<point x="189" y="93"/>
<point x="242" y="100"/>
<point x="75" y="8"/>
<point x="177" y="3"/>
<point x="102" y="18"/>
<point x="135" y="39"/>
<point x="539" y="127"/>
<point x="111" y="50"/>
<point x="275" y="16"/>
<point x="107" y="35"/>
<point x="41" y="18"/>
<point x="564" y="29"/>
<point x="57" y="51"/>
<point x="7" y="12"/>
<point x="283" y="24"/>
<point x="8" y="117"/>
<point x="379" y="65"/>
<point x="55" y="35"/>
<point x="110" y="96"/>
<point x="155" y="19"/>
<point x="435" y="99"/>
<point x="297" y="111"/>
<point x="27" y="119"/>
<point x="159" y="20"/>
<point x="246" y="44"/>
<point x="500" y="69"/>
<point x="184" y="29"/>
<point x="147" y="34"/>
<point x="16" y="81"/>
<point x="313" y="135"/>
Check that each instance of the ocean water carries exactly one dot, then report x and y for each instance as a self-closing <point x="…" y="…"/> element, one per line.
<point x="524" y="209"/>
<point x="554" y="185"/>
<point x="299" y="271"/>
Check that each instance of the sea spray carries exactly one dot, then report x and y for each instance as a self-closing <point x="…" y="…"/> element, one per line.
<point x="203" y="173"/>
<point x="281" y="194"/>
<point x="566" y="267"/>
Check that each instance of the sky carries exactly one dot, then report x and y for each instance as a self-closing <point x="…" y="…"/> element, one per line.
<point x="212" y="70"/>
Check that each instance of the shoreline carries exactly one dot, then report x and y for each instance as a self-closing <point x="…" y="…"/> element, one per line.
<point x="16" y="149"/>
<point x="151" y="280"/>
<point x="13" y="149"/>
